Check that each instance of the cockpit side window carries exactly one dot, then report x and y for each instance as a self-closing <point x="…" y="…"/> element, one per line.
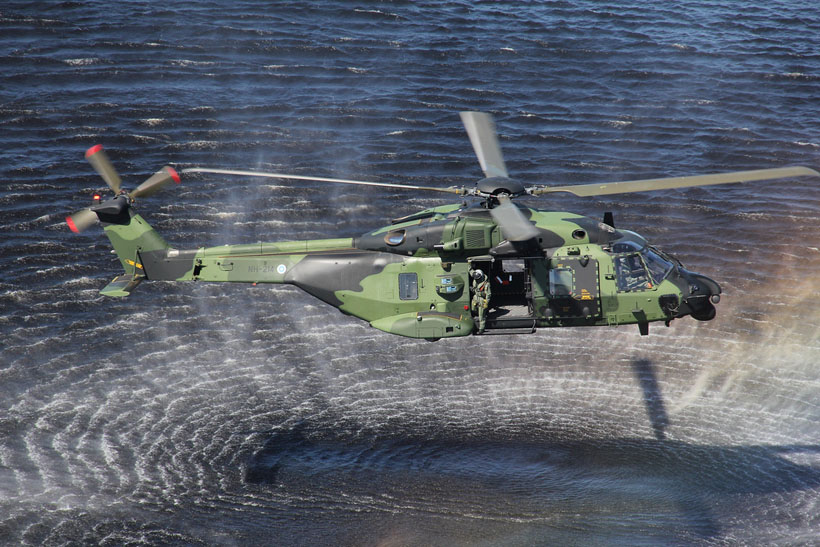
<point x="631" y="274"/>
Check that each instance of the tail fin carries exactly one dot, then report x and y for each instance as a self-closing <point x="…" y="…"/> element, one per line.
<point x="132" y="238"/>
<point x="130" y="235"/>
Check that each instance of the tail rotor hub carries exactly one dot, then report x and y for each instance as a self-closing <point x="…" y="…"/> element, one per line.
<point x="105" y="210"/>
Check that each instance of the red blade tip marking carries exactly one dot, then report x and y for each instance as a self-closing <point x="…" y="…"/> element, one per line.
<point x="70" y="222"/>
<point x="93" y="150"/>
<point x="174" y="175"/>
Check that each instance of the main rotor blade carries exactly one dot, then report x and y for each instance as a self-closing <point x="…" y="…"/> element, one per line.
<point x="481" y="130"/>
<point x="514" y="225"/>
<point x="156" y="182"/>
<point x="647" y="185"/>
<point x="98" y="159"/>
<point x="81" y="220"/>
<point x="450" y="190"/>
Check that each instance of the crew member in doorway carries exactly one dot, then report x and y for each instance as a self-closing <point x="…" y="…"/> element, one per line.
<point x="481" y="297"/>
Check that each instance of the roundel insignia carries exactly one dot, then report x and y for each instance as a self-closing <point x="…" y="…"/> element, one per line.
<point x="281" y="269"/>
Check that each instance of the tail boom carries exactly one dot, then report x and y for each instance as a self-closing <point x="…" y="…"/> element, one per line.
<point x="250" y="263"/>
<point x="145" y="255"/>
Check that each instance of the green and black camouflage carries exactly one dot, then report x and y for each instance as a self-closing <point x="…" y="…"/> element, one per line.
<point x="416" y="277"/>
<point x="412" y="277"/>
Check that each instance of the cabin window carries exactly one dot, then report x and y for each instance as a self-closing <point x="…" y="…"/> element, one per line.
<point x="514" y="266"/>
<point x="561" y="282"/>
<point x="408" y="286"/>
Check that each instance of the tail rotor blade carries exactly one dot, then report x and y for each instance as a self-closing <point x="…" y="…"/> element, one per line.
<point x="98" y="159"/>
<point x="481" y="130"/>
<point x="514" y="225"/>
<point x="81" y="220"/>
<point x="156" y="182"/>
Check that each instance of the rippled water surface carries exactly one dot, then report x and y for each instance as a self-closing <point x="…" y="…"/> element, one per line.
<point x="228" y="414"/>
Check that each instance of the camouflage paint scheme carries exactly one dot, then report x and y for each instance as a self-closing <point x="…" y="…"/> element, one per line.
<point x="411" y="278"/>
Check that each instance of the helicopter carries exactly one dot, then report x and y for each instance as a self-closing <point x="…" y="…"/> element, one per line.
<point x="482" y="268"/>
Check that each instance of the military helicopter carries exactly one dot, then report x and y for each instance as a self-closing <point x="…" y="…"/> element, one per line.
<point x="488" y="267"/>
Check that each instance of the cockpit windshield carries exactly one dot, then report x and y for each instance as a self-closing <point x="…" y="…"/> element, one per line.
<point x="658" y="266"/>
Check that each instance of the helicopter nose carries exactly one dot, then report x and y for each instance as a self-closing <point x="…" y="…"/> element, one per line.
<point x="700" y="285"/>
<point x="704" y="293"/>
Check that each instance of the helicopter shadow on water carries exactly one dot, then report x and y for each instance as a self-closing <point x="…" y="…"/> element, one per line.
<point x="542" y="474"/>
<point x="656" y="409"/>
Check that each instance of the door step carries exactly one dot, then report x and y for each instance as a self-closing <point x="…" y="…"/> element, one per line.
<point x="508" y="324"/>
<point x="497" y="331"/>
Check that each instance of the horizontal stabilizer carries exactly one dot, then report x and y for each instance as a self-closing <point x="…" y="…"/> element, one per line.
<point x="122" y="285"/>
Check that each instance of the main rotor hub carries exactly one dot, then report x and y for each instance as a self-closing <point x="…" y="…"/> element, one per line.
<point x="494" y="186"/>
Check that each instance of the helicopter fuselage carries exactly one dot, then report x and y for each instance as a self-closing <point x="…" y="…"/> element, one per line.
<point x="415" y="277"/>
<point x="493" y="267"/>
